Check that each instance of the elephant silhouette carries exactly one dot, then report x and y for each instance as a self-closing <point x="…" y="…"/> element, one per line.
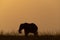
<point x="29" y="28"/>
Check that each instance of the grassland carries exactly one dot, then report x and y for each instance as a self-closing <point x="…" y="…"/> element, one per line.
<point x="41" y="37"/>
<point x="15" y="36"/>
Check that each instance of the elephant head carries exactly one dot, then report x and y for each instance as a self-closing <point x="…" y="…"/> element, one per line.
<point x="22" y="26"/>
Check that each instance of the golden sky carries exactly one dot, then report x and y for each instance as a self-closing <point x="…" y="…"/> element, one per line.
<point x="44" y="13"/>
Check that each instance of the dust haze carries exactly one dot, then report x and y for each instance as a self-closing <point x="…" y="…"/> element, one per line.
<point x="44" y="13"/>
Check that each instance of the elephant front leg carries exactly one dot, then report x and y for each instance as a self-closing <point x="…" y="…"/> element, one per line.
<point x="26" y="33"/>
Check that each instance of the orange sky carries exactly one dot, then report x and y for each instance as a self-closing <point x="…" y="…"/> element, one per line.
<point x="44" y="13"/>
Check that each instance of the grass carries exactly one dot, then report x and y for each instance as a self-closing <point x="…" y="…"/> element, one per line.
<point x="41" y="37"/>
<point x="31" y="37"/>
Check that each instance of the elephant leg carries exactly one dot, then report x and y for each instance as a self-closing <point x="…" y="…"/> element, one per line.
<point x="35" y="33"/>
<point x="26" y="33"/>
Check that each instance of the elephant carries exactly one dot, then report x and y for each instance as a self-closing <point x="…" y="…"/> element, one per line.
<point x="28" y="28"/>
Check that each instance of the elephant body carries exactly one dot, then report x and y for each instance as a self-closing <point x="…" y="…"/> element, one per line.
<point x="28" y="28"/>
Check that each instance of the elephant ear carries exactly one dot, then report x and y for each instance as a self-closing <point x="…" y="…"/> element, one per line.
<point x="22" y="25"/>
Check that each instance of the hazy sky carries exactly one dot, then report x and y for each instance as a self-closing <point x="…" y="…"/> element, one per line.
<point x="44" y="13"/>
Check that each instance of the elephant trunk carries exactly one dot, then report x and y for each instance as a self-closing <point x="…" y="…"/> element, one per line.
<point x="19" y="30"/>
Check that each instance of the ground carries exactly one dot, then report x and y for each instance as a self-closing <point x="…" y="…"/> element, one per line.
<point x="41" y="37"/>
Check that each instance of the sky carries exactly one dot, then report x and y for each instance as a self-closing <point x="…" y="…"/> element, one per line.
<point x="44" y="13"/>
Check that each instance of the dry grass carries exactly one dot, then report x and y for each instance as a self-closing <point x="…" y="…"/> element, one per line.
<point x="14" y="36"/>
